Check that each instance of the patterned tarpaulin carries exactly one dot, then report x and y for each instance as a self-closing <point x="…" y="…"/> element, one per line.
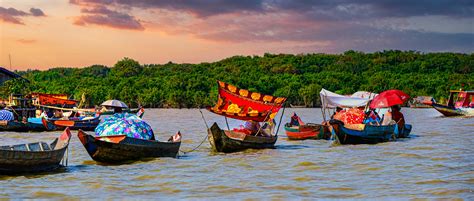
<point x="125" y="124"/>
<point x="6" y="115"/>
<point x="350" y="116"/>
<point x="242" y="104"/>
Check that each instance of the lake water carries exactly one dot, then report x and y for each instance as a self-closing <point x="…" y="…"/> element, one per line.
<point x="436" y="162"/>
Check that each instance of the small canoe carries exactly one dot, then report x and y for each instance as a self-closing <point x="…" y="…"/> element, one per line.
<point x="231" y="141"/>
<point x="123" y="149"/>
<point x="34" y="157"/>
<point x="369" y="134"/>
<point x="17" y="126"/>
<point x="307" y="131"/>
<point x="405" y="132"/>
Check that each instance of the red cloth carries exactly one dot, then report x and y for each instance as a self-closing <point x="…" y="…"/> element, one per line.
<point x="350" y="116"/>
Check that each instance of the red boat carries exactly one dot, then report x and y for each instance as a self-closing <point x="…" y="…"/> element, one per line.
<point x="298" y="130"/>
<point x="53" y="100"/>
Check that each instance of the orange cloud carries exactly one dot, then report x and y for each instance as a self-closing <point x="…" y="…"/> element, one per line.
<point x="26" y="41"/>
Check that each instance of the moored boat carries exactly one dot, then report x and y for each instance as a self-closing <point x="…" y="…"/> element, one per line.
<point x="123" y="149"/>
<point x="232" y="141"/>
<point x="34" y="157"/>
<point x="249" y="106"/>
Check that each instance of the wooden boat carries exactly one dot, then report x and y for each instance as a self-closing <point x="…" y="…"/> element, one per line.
<point x="242" y="104"/>
<point x="420" y="102"/>
<point x="462" y="106"/>
<point x="17" y="126"/>
<point x="73" y="124"/>
<point x="369" y="134"/>
<point x="76" y="124"/>
<point x="405" y="132"/>
<point x="53" y="100"/>
<point x="123" y="149"/>
<point x="34" y="157"/>
<point x="307" y="131"/>
<point x="231" y="141"/>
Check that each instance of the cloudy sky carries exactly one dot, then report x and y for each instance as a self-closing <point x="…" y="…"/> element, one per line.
<point x="78" y="33"/>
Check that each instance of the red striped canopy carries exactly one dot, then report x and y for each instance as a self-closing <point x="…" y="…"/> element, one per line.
<point x="242" y="104"/>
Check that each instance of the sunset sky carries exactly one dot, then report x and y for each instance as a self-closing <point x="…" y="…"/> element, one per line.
<point x="78" y="33"/>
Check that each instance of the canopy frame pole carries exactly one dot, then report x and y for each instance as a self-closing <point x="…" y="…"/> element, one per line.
<point x="227" y="123"/>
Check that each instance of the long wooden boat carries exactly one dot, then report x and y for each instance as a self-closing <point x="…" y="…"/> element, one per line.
<point x="405" y="132"/>
<point x="73" y="124"/>
<point x="462" y="105"/>
<point x="232" y="141"/>
<point x="370" y="134"/>
<point x="17" y="126"/>
<point x="123" y="149"/>
<point x="307" y="131"/>
<point x="53" y="100"/>
<point x="34" y="157"/>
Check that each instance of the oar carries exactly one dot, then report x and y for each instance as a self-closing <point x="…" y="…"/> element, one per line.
<point x="65" y="123"/>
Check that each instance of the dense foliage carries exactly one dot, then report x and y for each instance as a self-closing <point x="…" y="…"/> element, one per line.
<point x="298" y="77"/>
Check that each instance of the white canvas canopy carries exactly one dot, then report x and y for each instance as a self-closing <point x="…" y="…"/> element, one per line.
<point x="364" y="94"/>
<point x="331" y="100"/>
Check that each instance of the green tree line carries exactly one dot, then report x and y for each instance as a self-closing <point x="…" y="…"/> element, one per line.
<point x="298" y="77"/>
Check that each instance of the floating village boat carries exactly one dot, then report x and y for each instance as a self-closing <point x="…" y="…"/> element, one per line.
<point x="354" y="133"/>
<point x="122" y="149"/>
<point x="248" y="106"/>
<point x="34" y="157"/>
<point x="460" y="103"/>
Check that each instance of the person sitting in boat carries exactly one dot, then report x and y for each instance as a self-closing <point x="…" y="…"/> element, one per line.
<point x="371" y="117"/>
<point x="398" y="117"/>
<point x="117" y="110"/>
<point x="296" y="120"/>
<point x="251" y="127"/>
<point x="267" y="129"/>
<point x="338" y="109"/>
<point x="58" y="114"/>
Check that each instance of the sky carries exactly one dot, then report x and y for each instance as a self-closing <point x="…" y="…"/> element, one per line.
<point x="80" y="33"/>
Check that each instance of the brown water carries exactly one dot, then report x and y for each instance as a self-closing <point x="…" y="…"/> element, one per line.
<point x="436" y="162"/>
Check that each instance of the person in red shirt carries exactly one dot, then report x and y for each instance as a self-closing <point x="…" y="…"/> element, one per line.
<point x="398" y="117"/>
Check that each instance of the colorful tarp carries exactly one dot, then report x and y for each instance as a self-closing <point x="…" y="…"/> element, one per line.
<point x="350" y="116"/>
<point x="124" y="124"/>
<point x="242" y="104"/>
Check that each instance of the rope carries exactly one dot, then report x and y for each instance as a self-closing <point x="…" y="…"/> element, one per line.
<point x="203" y="140"/>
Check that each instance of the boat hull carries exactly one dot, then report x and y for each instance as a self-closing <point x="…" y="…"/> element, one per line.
<point x="405" y="132"/>
<point x="127" y="149"/>
<point x="307" y="131"/>
<point x="33" y="157"/>
<point x="369" y="135"/>
<point x="23" y="127"/>
<point x="230" y="141"/>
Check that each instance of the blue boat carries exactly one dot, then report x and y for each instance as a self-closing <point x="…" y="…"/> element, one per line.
<point x="370" y="134"/>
